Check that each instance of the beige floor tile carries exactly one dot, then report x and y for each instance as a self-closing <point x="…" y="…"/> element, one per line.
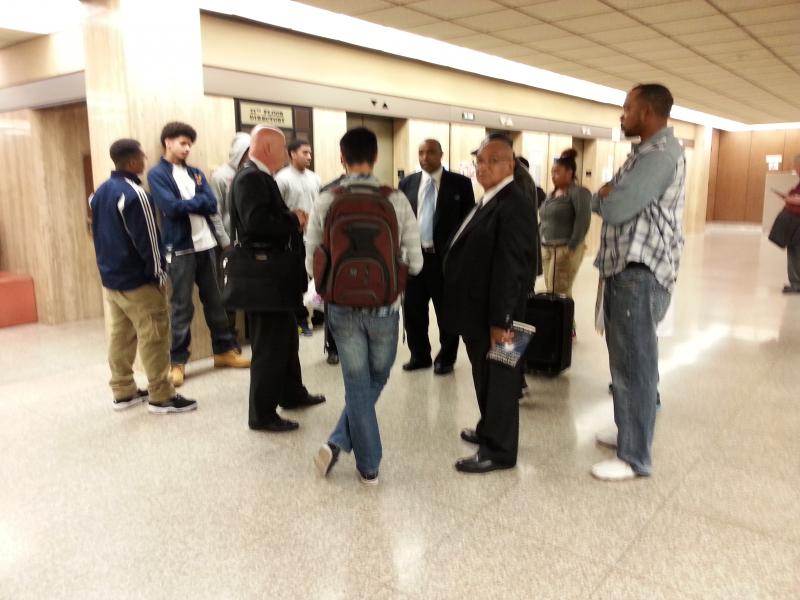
<point x="713" y="559"/>
<point x="756" y="501"/>
<point x="490" y="561"/>
<point x="624" y="586"/>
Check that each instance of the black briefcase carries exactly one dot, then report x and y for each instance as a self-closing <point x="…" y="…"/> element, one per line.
<point x="262" y="280"/>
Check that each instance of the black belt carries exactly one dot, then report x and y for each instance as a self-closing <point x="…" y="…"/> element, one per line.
<point x="429" y="250"/>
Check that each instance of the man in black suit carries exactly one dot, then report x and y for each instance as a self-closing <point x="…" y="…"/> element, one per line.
<point x="487" y="275"/>
<point x="440" y="200"/>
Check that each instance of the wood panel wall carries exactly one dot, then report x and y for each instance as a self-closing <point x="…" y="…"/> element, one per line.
<point x="43" y="210"/>
<point x="736" y="186"/>
<point x="731" y="187"/>
<point x="712" y="176"/>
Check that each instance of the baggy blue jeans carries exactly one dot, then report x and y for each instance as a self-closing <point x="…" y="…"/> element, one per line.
<point x="367" y="344"/>
<point x="634" y="303"/>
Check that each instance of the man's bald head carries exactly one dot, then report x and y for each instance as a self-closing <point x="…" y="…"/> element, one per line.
<point x="495" y="162"/>
<point x="268" y="146"/>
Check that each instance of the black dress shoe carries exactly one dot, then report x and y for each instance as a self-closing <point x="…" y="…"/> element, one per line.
<point x="414" y="365"/>
<point x="333" y="358"/>
<point x="279" y="425"/>
<point x="440" y="369"/>
<point x="474" y="464"/>
<point x="470" y="435"/>
<point x="310" y="400"/>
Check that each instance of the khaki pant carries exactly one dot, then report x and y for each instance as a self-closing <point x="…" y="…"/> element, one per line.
<point x="139" y="317"/>
<point x="566" y="267"/>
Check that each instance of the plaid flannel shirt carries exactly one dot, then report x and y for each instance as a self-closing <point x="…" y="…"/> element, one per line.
<point x="643" y="214"/>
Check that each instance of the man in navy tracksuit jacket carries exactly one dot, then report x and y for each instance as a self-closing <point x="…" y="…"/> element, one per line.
<point x="189" y="218"/>
<point x="130" y="257"/>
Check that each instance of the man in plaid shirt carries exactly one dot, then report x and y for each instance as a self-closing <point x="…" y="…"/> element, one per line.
<point x="640" y="247"/>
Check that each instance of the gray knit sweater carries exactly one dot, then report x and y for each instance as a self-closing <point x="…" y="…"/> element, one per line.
<point x="564" y="220"/>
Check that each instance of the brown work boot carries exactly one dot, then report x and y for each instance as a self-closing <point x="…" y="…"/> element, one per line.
<point x="231" y="358"/>
<point x="177" y="374"/>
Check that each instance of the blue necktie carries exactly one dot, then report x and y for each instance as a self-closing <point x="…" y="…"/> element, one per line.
<point x="426" y="214"/>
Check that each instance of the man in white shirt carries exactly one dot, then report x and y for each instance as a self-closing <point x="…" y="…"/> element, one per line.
<point x="299" y="187"/>
<point x="191" y="228"/>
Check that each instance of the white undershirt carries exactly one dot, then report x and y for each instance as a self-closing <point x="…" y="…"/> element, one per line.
<point x="202" y="238"/>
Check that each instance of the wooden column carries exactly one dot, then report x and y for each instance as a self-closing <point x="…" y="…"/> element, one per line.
<point x="143" y="71"/>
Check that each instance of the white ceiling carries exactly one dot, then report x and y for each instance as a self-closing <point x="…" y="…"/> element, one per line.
<point x="738" y="59"/>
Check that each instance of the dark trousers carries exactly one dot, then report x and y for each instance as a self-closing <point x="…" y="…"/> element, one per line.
<point x="275" y="376"/>
<point x="421" y="289"/>
<point x="330" y="343"/>
<point x="185" y="271"/>
<point x="498" y="389"/>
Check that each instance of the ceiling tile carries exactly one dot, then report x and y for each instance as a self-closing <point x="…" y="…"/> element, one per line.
<point x="511" y="51"/>
<point x="630" y="4"/>
<point x="738" y="5"/>
<point x="603" y="22"/>
<point x="496" y="21"/>
<point x="399" y="17"/>
<point x="565" y="43"/>
<point x="766" y="30"/>
<point x="703" y="24"/>
<point x="479" y="41"/>
<point x="559" y="10"/>
<point x="442" y="30"/>
<point x="731" y="34"/>
<point x="446" y="9"/>
<point x="588" y="52"/>
<point x="639" y="32"/>
<point x="354" y="7"/>
<point x="646" y="46"/>
<point x="688" y="9"/>
<point x="713" y="47"/>
<point x="531" y="33"/>
<point x="769" y="14"/>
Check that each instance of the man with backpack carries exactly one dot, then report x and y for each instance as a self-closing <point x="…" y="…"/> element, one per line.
<point x="359" y="250"/>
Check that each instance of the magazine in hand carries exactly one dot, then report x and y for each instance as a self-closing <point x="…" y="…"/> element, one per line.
<point x="510" y="354"/>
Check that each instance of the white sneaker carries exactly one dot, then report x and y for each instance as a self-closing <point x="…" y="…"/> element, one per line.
<point x="325" y="458"/>
<point x="613" y="470"/>
<point x="607" y="437"/>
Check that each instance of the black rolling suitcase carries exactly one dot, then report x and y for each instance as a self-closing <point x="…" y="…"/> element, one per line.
<point x="550" y="350"/>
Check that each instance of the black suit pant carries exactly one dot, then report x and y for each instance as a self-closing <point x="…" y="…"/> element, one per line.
<point x="275" y="376"/>
<point x="498" y="390"/>
<point x="421" y="289"/>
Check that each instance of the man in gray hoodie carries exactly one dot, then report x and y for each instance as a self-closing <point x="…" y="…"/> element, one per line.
<point x="222" y="177"/>
<point x="220" y="182"/>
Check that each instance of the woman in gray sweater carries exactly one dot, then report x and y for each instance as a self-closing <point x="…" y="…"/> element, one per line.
<point x="564" y="221"/>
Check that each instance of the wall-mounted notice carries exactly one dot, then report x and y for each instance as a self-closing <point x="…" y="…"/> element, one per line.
<point x="255" y="113"/>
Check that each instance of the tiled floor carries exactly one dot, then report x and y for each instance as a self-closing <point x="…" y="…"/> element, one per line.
<point x="98" y="504"/>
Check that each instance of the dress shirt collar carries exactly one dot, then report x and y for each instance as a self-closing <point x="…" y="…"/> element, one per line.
<point x="436" y="176"/>
<point x="492" y="192"/>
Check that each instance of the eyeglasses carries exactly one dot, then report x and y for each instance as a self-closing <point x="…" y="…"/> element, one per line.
<point x="492" y="162"/>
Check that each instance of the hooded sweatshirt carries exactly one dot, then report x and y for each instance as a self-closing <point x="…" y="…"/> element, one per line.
<point x="222" y="177"/>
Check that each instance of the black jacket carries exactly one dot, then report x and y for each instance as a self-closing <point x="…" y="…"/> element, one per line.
<point x="453" y="202"/>
<point x="487" y="269"/>
<point x="261" y="217"/>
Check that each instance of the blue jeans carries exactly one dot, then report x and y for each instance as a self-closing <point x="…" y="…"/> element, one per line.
<point x="367" y="344"/>
<point x="184" y="271"/>
<point x="634" y="303"/>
